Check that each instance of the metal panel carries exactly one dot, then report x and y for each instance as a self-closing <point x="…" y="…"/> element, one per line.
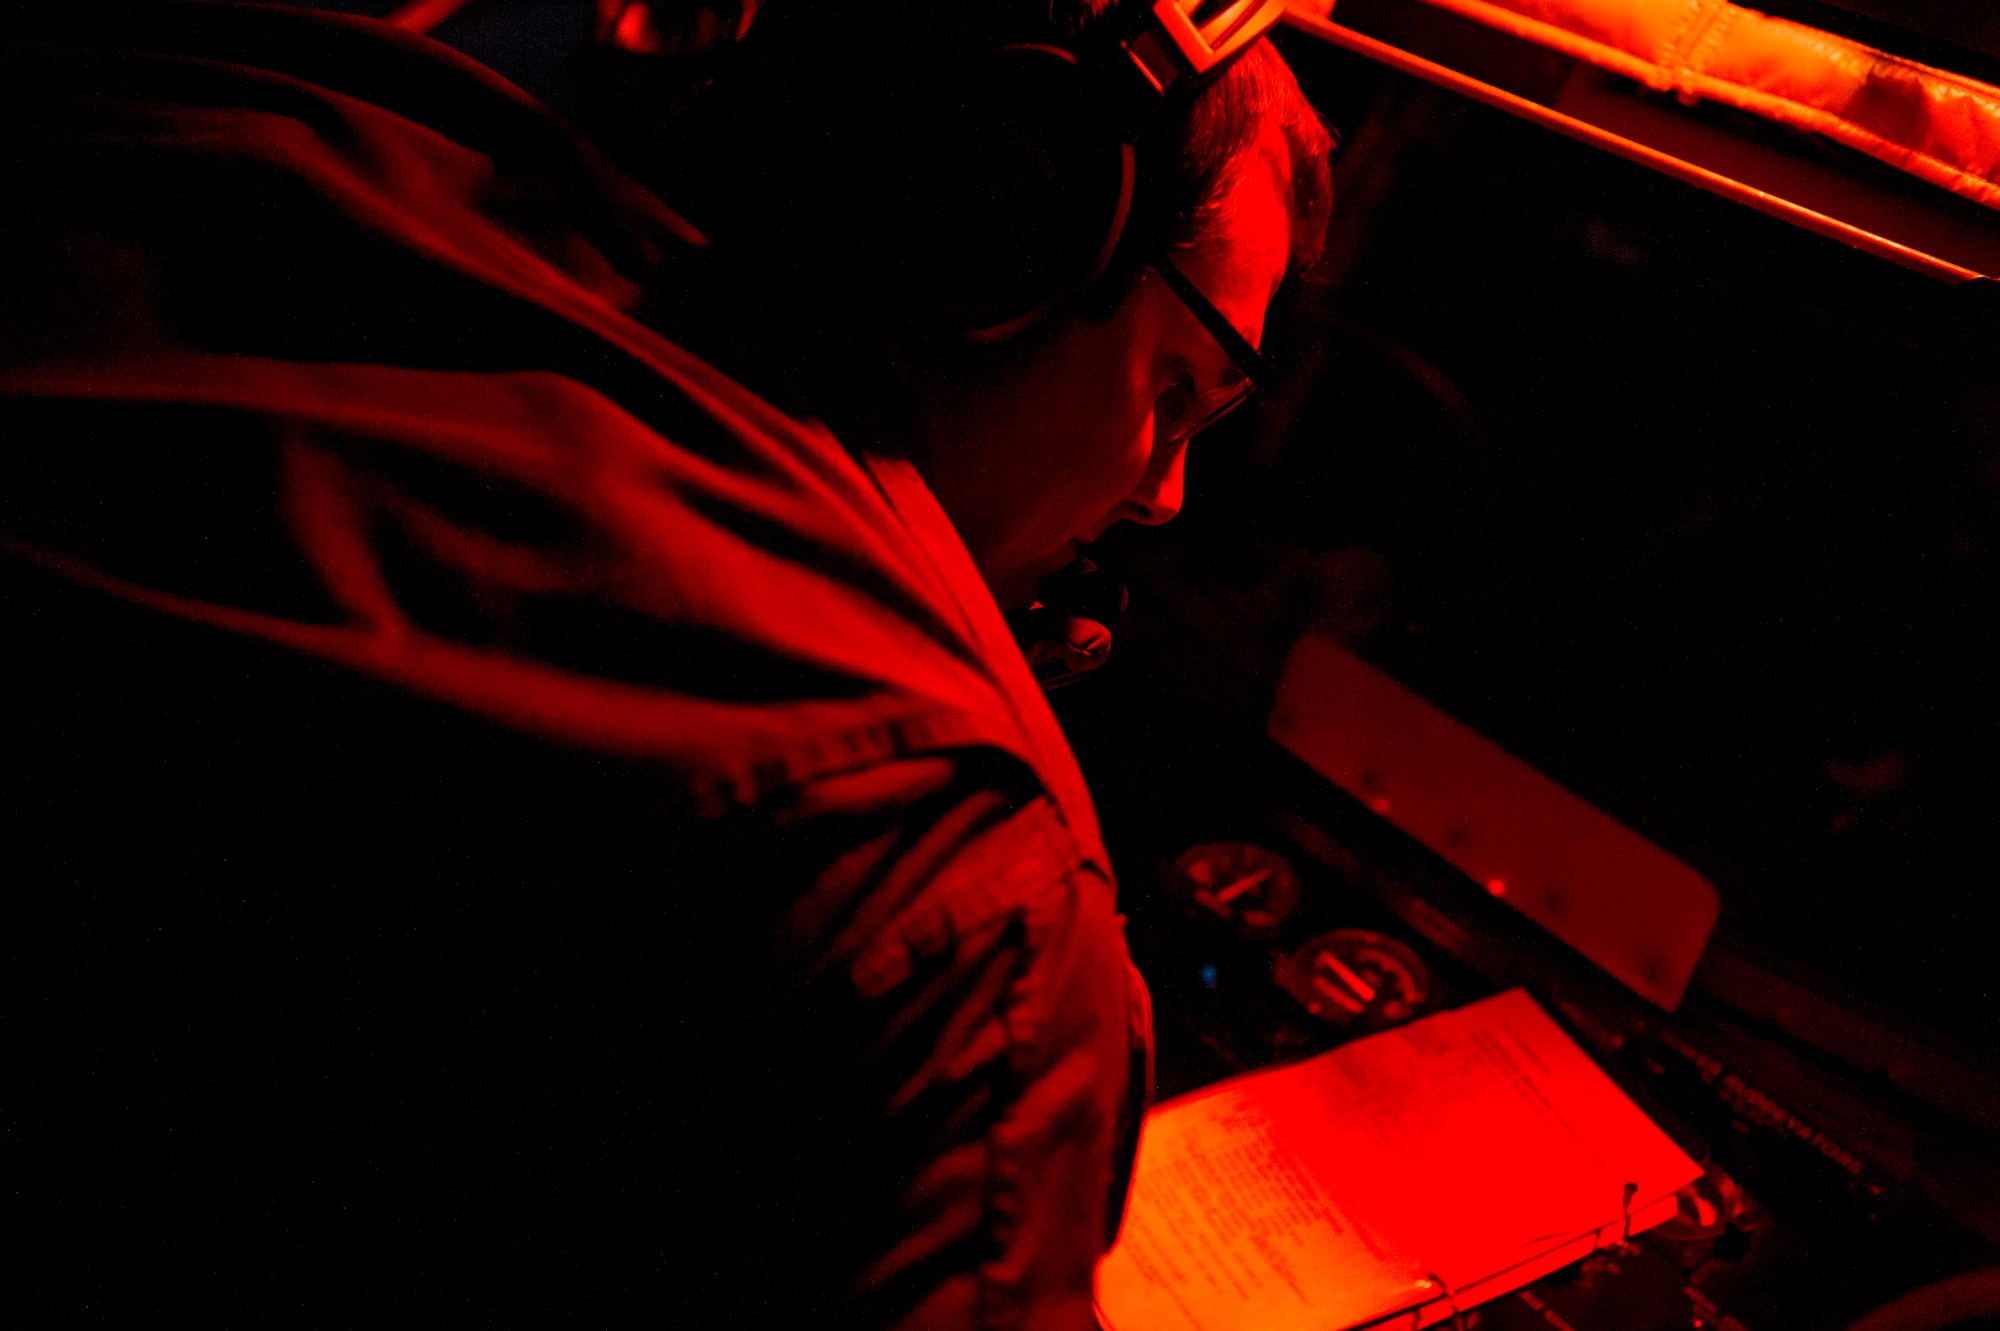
<point x="1634" y="910"/>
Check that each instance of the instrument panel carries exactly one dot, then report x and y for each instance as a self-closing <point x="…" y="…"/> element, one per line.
<point x="1275" y="916"/>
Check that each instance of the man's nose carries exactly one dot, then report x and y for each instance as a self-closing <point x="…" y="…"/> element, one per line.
<point x="1159" y="495"/>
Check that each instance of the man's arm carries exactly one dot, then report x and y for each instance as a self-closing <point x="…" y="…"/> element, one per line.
<point x="961" y="1051"/>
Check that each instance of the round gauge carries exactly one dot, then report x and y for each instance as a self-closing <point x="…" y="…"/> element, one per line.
<point x="1356" y="977"/>
<point x="1710" y="1207"/>
<point x="1248" y="888"/>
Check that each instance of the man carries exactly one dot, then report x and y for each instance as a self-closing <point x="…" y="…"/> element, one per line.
<point x="511" y="825"/>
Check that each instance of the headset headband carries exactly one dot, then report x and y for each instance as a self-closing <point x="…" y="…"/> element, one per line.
<point x="1020" y="267"/>
<point x="971" y="183"/>
<point x="1195" y="38"/>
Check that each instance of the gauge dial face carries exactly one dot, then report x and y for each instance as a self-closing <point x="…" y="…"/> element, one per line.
<point x="1356" y="977"/>
<point x="1247" y="888"/>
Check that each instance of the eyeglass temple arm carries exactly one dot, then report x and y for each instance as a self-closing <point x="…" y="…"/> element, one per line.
<point x="1260" y="372"/>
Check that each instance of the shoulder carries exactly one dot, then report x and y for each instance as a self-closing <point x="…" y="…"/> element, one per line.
<point x="481" y="478"/>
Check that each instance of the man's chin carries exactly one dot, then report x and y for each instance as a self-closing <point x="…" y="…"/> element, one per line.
<point x="1020" y="588"/>
<point x="1052" y="567"/>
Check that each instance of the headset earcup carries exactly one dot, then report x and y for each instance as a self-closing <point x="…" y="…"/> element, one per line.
<point x="1019" y="196"/>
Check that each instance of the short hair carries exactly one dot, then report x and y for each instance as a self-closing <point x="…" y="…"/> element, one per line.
<point x="1214" y="139"/>
<point x="1190" y="157"/>
<point x="1188" y="161"/>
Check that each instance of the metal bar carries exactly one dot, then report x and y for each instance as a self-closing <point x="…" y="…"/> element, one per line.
<point x="1666" y="164"/>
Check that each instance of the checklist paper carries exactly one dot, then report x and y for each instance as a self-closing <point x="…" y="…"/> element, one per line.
<point x="1382" y="1183"/>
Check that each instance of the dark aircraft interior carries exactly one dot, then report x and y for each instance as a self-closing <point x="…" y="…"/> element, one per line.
<point x="1658" y="444"/>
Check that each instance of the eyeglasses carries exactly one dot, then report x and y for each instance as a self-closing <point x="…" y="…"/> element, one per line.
<point x="1181" y="412"/>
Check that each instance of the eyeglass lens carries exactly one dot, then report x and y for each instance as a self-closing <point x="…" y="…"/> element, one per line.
<point x="1181" y="412"/>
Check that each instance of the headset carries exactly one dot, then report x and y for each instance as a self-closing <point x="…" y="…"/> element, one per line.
<point x="1031" y="212"/>
<point x="965" y="166"/>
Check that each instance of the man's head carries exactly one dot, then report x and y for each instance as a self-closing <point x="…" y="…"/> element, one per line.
<point x="1037" y="442"/>
<point x="1083" y="425"/>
